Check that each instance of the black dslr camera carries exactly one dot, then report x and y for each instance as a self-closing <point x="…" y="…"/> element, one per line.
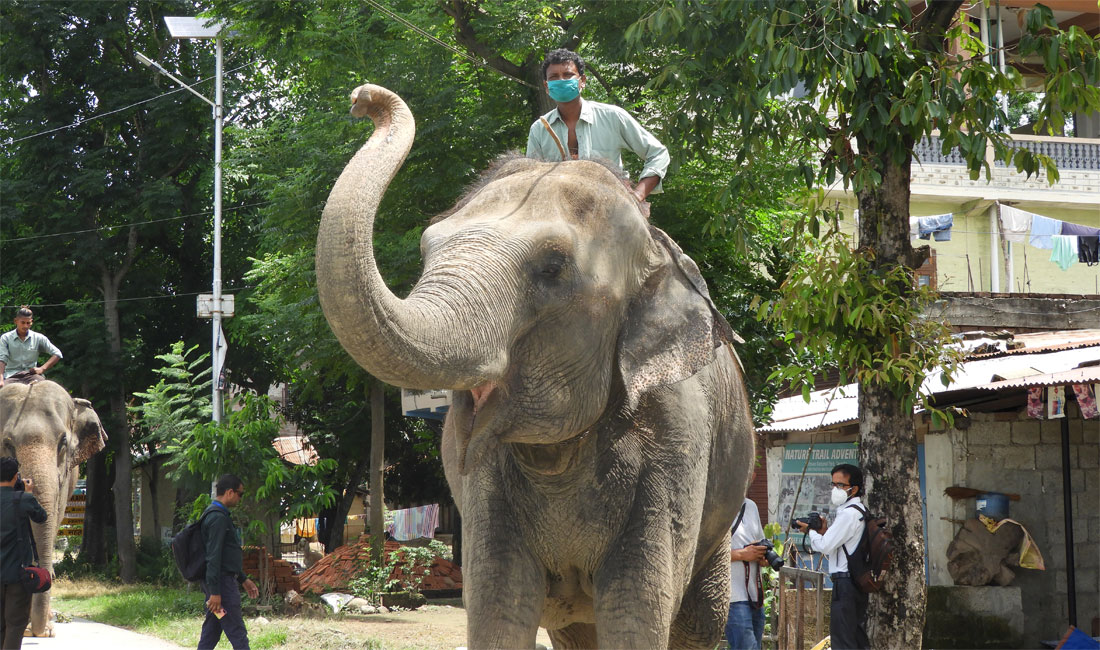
<point x="774" y="561"/>
<point x="813" y="521"/>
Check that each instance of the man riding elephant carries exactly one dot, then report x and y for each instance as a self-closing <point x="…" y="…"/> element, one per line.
<point x="19" y="350"/>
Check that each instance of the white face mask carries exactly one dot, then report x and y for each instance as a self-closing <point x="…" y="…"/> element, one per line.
<point x="839" y="496"/>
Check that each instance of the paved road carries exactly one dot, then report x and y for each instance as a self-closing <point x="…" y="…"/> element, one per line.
<point x="83" y="634"/>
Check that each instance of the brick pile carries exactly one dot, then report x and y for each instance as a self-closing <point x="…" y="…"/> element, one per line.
<point x="280" y="573"/>
<point x="335" y="570"/>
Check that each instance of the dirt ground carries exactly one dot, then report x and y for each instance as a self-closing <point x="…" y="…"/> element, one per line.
<point x="435" y="626"/>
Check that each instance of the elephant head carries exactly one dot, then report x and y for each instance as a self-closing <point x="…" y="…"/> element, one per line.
<point x="545" y="294"/>
<point x="50" y="433"/>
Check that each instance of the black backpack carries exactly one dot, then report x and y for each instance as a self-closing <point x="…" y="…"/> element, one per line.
<point x="189" y="551"/>
<point x="873" y="555"/>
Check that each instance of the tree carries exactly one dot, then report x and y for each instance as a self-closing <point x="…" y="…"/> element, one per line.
<point x="878" y="79"/>
<point x="169" y="409"/>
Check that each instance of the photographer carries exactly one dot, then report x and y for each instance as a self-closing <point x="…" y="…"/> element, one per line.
<point x="847" y="627"/>
<point x="16" y="507"/>
<point x="745" y="625"/>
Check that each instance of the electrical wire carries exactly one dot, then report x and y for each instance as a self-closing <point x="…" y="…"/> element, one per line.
<point x="119" y="110"/>
<point x="135" y="223"/>
<point x="85" y="303"/>
<point x="466" y="55"/>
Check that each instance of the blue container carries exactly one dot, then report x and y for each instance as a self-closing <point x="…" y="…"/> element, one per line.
<point x="993" y="505"/>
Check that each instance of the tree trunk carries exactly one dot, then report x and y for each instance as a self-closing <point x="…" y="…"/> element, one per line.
<point x="97" y="510"/>
<point x="123" y="485"/>
<point x="888" y="441"/>
<point x="377" y="463"/>
<point x="336" y="531"/>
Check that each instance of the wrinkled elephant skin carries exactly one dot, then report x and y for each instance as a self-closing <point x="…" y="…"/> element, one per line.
<point x="50" y="433"/>
<point x="600" y="440"/>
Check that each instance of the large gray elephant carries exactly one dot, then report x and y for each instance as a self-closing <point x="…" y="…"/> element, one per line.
<point x="600" y="440"/>
<point x="50" y="433"/>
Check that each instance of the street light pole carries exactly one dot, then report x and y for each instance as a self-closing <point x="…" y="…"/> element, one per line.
<point x="216" y="311"/>
<point x="206" y="29"/>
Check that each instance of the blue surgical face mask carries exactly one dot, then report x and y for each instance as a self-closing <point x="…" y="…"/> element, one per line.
<point x="564" y="90"/>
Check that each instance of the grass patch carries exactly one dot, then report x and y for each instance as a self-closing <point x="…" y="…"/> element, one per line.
<point x="167" y="613"/>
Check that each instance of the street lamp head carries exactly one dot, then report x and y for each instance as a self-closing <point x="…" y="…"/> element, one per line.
<point x="191" y="27"/>
<point x="145" y="61"/>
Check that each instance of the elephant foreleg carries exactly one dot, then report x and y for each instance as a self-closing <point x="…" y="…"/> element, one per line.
<point x="705" y="606"/>
<point x="504" y="587"/>
<point x="637" y="594"/>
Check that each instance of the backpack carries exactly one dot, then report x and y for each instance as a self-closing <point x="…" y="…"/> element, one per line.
<point x="189" y="551"/>
<point x="873" y="555"/>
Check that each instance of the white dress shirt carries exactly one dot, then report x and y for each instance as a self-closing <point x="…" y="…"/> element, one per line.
<point x="844" y="533"/>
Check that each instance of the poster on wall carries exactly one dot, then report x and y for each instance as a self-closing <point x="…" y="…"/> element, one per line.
<point x="816" y="484"/>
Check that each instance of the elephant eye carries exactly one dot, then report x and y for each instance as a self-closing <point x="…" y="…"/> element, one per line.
<point x="551" y="270"/>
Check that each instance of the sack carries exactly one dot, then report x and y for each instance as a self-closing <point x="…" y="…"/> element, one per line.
<point x="35" y="579"/>
<point x="873" y="555"/>
<point x="189" y="551"/>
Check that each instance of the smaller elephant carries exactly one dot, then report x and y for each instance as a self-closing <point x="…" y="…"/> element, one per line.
<point x="50" y="433"/>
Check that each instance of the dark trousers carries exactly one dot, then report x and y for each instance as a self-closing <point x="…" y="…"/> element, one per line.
<point x="848" y="626"/>
<point x="15" y="602"/>
<point x="232" y="623"/>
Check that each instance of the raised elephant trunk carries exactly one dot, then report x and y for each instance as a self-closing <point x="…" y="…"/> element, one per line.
<point x="411" y="342"/>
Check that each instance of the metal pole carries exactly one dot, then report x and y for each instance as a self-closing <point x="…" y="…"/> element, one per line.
<point x="216" y="321"/>
<point x="1067" y="507"/>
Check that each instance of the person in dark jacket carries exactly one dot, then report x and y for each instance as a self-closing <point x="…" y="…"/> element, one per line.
<point x="16" y="508"/>
<point x="224" y="574"/>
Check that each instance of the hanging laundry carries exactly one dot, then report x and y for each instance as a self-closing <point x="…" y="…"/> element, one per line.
<point x="1064" y="252"/>
<point x="1056" y="402"/>
<point x="913" y="227"/>
<point x="1079" y="230"/>
<point x="938" y="225"/>
<point x="411" y="523"/>
<point x="1015" y="223"/>
<point x="1086" y="401"/>
<point x="1035" y="402"/>
<point x="1042" y="229"/>
<point x="1088" y="250"/>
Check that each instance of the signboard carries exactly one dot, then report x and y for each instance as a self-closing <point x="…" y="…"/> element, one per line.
<point x="799" y="494"/>
<point x="73" y="523"/>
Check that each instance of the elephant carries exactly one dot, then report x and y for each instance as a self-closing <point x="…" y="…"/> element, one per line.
<point x="50" y="433"/>
<point x="599" y="441"/>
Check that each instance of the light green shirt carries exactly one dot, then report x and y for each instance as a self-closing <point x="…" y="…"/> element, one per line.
<point x="603" y="131"/>
<point x="23" y="355"/>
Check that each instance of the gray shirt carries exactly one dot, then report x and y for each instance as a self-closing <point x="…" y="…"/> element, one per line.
<point x="19" y="355"/>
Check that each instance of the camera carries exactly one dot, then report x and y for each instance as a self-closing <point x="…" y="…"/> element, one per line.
<point x="774" y="561"/>
<point x="813" y="521"/>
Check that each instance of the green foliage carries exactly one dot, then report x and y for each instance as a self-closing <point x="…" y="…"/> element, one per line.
<point x="841" y="309"/>
<point x="373" y="580"/>
<point x="156" y="565"/>
<point x="179" y="400"/>
<point x="242" y="445"/>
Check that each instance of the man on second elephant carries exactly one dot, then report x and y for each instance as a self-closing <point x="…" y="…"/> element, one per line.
<point x="224" y="573"/>
<point x="19" y="350"/>
<point x="591" y="129"/>
<point x="16" y="508"/>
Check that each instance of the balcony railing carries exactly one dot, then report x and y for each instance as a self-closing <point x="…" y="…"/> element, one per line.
<point x="1067" y="153"/>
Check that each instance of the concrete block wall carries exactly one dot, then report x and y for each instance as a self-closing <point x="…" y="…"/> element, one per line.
<point x="1015" y="454"/>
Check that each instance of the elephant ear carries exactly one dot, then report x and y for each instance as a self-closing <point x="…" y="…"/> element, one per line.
<point x="89" y="433"/>
<point x="672" y="327"/>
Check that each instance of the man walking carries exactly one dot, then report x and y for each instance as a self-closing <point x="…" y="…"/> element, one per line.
<point x="848" y="626"/>
<point x="224" y="574"/>
<point x="16" y="508"/>
<point x="19" y="350"/>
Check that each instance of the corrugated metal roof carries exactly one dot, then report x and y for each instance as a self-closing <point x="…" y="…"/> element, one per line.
<point x="295" y="449"/>
<point x="1047" y="359"/>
